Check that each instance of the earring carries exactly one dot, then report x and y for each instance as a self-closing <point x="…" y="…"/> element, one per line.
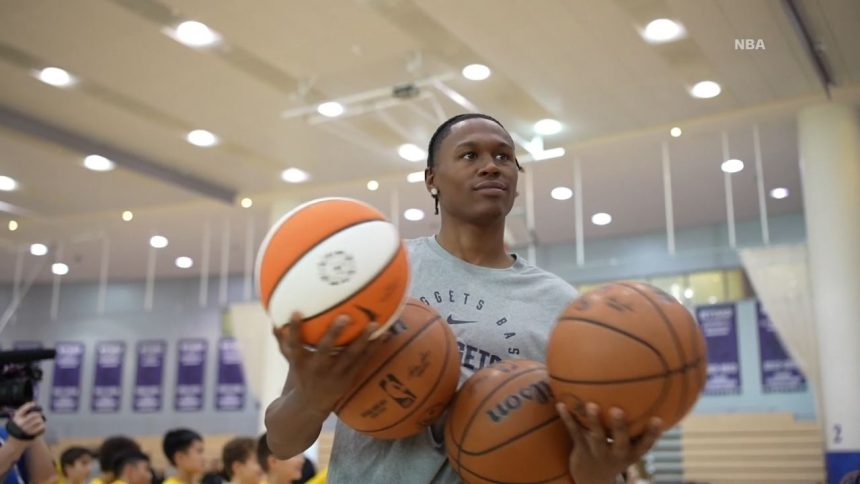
<point x="434" y="191"/>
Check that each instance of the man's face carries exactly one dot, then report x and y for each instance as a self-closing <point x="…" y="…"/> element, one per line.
<point x="287" y="470"/>
<point x="192" y="459"/>
<point x="138" y="473"/>
<point x="80" y="470"/>
<point x="247" y="471"/>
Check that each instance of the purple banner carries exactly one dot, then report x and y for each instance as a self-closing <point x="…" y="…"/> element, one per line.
<point x="719" y="325"/>
<point x="190" y="370"/>
<point x="230" y="392"/>
<point x="148" y="388"/>
<point x="107" y="384"/>
<point x="30" y="345"/>
<point x="66" y="387"/>
<point x="779" y="373"/>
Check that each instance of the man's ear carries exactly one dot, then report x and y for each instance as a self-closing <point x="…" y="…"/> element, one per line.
<point x="429" y="178"/>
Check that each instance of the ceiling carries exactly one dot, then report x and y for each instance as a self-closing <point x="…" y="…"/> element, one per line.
<point x="583" y="63"/>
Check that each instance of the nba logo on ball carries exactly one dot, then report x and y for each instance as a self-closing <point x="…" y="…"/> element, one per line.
<point x="331" y="257"/>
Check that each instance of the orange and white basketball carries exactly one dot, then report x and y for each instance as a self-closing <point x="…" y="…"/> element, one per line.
<point x="331" y="257"/>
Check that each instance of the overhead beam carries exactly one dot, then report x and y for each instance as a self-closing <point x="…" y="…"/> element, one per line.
<point x="37" y="128"/>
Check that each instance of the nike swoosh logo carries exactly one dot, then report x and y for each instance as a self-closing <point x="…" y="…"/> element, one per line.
<point x="458" y="321"/>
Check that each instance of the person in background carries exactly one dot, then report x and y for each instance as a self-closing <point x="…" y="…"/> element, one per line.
<point x="132" y="468"/>
<point x="278" y="471"/>
<point x="111" y="448"/>
<point x="76" y="465"/>
<point x="240" y="461"/>
<point x="184" y="449"/>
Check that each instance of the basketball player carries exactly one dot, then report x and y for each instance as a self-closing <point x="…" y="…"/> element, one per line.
<point x="498" y="305"/>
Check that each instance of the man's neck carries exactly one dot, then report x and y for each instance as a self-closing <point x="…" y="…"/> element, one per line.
<point x="481" y="245"/>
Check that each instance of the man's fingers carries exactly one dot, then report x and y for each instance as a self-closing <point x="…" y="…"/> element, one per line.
<point x="572" y="427"/>
<point x="326" y="344"/>
<point x="23" y="409"/>
<point x="350" y="360"/>
<point x="646" y="441"/>
<point x="620" y="433"/>
<point x="597" y="435"/>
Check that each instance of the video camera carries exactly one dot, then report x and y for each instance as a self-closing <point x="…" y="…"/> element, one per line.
<point x="19" y="374"/>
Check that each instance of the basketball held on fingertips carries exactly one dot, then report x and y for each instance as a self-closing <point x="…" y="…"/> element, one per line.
<point x="503" y="427"/>
<point x="628" y="345"/>
<point x="331" y="257"/>
<point x="408" y="381"/>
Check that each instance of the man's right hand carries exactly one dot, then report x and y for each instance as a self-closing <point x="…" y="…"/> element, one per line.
<point x="320" y="376"/>
<point x="29" y="418"/>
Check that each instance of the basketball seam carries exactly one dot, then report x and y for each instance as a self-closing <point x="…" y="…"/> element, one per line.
<point x="515" y="437"/>
<point x="663" y="388"/>
<point x="376" y="370"/>
<point x="429" y="393"/>
<point x="675" y="338"/>
<point x="474" y="415"/>
<point x="309" y="249"/>
<point x="672" y="371"/>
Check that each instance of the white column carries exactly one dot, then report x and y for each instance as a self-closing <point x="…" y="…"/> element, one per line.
<point x="829" y="139"/>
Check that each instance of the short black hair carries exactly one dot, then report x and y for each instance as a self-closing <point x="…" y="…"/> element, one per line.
<point x="126" y="458"/>
<point x="237" y="450"/>
<point x="444" y="130"/>
<point x="71" y="455"/>
<point x="263" y="452"/>
<point x="112" y="447"/>
<point x="178" y="440"/>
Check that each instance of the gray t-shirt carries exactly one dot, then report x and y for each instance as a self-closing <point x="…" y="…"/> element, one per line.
<point x="495" y="313"/>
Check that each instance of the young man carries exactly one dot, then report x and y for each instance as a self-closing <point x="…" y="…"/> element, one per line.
<point x="278" y="471"/>
<point x="132" y="468"/>
<point x="240" y="461"/>
<point x="76" y="464"/>
<point x="184" y="449"/>
<point x="111" y="448"/>
<point x="498" y="305"/>
<point x="24" y="456"/>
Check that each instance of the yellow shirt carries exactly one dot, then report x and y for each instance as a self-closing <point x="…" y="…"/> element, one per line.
<point x="319" y="478"/>
<point x="172" y="480"/>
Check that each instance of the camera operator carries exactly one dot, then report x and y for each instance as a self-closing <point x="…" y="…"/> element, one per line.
<point x="24" y="455"/>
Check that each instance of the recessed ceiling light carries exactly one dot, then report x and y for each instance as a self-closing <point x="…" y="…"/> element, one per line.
<point x="7" y="183"/>
<point x="196" y="34"/>
<point x="547" y="127"/>
<point x="561" y="193"/>
<point x="59" y="268"/>
<point x="127" y="216"/>
<point x="202" y="138"/>
<point x="732" y="166"/>
<point x="330" y="109"/>
<point x="373" y="185"/>
<point x="56" y="77"/>
<point x="675" y="132"/>
<point x="706" y="90"/>
<point x="98" y="163"/>
<point x="413" y="214"/>
<point x="295" y="175"/>
<point x="38" y="249"/>
<point x="601" y="218"/>
<point x="13" y="225"/>
<point x="411" y="152"/>
<point x="246" y="203"/>
<point x="476" y="72"/>
<point x="779" y="193"/>
<point x="689" y="293"/>
<point x="184" y="262"/>
<point x="415" y="177"/>
<point x="662" y="30"/>
<point x="158" y="241"/>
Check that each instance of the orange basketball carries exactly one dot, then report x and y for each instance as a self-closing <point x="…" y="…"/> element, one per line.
<point x="332" y="257"/>
<point x="408" y="381"/>
<point x="632" y="346"/>
<point x="503" y="427"/>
